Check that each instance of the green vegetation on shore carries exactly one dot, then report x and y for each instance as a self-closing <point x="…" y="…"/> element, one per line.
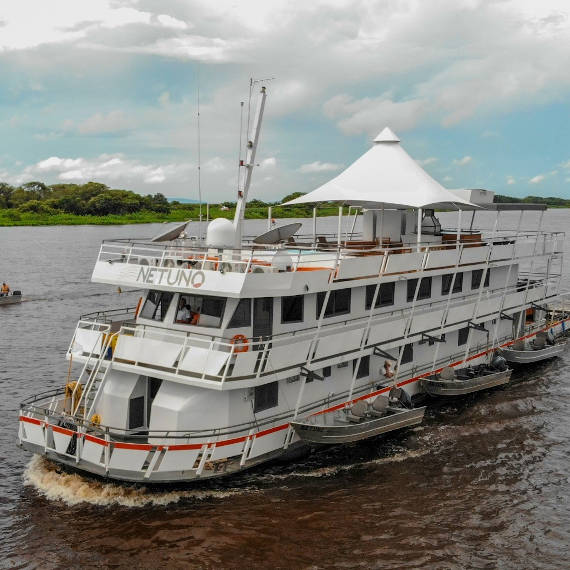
<point x="37" y="204"/>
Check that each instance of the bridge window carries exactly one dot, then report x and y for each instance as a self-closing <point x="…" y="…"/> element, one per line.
<point x="200" y="310"/>
<point x="292" y="309"/>
<point x="242" y="315"/>
<point x="266" y="396"/>
<point x="476" y="277"/>
<point x="423" y="293"/>
<point x="156" y="305"/>
<point x="338" y="303"/>
<point x="446" y="283"/>
<point x="385" y="295"/>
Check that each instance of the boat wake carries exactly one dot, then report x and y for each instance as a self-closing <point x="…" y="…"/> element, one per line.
<point x="73" y="489"/>
<point x="332" y="470"/>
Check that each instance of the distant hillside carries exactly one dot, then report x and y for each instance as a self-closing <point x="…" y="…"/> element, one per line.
<point x="550" y="201"/>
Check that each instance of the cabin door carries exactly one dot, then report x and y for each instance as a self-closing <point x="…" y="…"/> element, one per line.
<point x="262" y="318"/>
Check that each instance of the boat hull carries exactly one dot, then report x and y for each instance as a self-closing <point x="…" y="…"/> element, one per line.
<point x="439" y="387"/>
<point x="530" y="356"/>
<point x="10" y="300"/>
<point x="351" y="432"/>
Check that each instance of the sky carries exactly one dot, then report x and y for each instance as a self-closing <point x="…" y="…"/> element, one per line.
<point x="107" y="90"/>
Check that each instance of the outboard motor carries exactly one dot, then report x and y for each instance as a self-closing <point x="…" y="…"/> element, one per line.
<point x="17" y="293"/>
<point x="430" y="224"/>
<point x="499" y="363"/>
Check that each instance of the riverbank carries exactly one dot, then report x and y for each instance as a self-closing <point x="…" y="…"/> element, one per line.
<point x="11" y="217"/>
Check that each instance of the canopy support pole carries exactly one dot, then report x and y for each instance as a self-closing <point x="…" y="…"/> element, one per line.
<point x="381" y="225"/>
<point x="419" y="230"/>
<point x="268" y="218"/>
<point x="339" y="236"/>
<point x="314" y="225"/>
<point x="458" y="227"/>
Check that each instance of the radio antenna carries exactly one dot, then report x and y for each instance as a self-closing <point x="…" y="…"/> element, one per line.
<point x="199" y="161"/>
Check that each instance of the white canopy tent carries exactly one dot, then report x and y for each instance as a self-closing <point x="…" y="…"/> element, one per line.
<point x="387" y="176"/>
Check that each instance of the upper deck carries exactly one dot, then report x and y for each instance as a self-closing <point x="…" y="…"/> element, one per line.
<point x="296" y="268"/>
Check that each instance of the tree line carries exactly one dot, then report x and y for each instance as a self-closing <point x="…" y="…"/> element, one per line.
<point x="92" y="198"/>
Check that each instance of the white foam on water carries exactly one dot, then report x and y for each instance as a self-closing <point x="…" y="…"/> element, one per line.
<point x="73" y="489"/>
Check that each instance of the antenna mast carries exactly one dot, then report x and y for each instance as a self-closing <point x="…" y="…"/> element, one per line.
<point x="199" y="162"/>
<point x="249" y="163"/>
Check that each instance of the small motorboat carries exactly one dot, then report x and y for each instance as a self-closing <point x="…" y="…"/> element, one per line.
<point x="361" y="421"/>
<point x="11" y="298"/>
<point x="452" y="382"/>
<point x="542" y="347"/>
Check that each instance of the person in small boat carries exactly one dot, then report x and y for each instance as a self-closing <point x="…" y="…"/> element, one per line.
<point x="5" y="289"/>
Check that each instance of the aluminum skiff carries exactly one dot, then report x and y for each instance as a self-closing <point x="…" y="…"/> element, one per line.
<point x="534" y="355"/>
<point x="327" y="430"/>
<point x="11" y="299"/>
<point x="459" y="386"/>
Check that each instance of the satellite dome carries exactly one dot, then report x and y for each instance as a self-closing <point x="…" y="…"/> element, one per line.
<point x="220" y="233"/>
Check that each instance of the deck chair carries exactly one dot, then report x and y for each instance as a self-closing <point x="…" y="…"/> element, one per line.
<point x="398" y="397"/>
<point x="379" y="406"/>
<point x="358" y="412"/>
<point x="539" y="341"/>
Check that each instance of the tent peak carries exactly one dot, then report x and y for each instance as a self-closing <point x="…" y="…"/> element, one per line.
<point x="387" y="135"/>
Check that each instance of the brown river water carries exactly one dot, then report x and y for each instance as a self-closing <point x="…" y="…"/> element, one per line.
<point x="483" y="483"/>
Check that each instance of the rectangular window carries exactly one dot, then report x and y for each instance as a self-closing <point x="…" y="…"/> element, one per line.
<point x="327" y="371"/>
<point x="446" y="283"/>
<point x="200" y="310"/>
<point x="292" y="309"/>
<point x="242" y="315"/>
<point x="408" y="354"/>
<point x="136" y="412"/>
<point x="156" y="305"/>
<point x="363" y="367"/>
<point x="462" y="335"/>
<point x="266" y="396"/>
<point x="423" y="293"/>
<point x="338" y="304"/>
<point x="385" y="295"/>
<point x="476" y="276"/>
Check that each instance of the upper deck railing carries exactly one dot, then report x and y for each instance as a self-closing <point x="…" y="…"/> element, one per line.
<point x="470" y="248"/>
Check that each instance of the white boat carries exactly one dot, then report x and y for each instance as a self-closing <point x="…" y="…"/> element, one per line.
<point x="11" y="298"/>
<point x="539" y="348"/>
<point x="451" y="382"/>
<point x="235" y="344"/>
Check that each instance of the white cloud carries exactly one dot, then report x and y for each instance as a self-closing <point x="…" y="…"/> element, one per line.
<point x="510" y="180"/>
<point x="319" y="166"/>
<point x="565" y="164"/>
<point x="100" y="123"/>
<point x="269" y="162"/>
<point x="426" y="161"/>
<point x="170" y="22"/>
<point x="462" y="161"/>
<point x="537" y="179"/>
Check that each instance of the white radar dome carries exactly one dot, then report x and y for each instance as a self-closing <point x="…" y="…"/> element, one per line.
<point x="220" y="233"/>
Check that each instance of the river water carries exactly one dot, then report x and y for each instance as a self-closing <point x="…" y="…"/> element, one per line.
<point x="484" y="482"/>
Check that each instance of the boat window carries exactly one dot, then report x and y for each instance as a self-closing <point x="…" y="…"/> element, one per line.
<point x="338" y="303"/>
<point x="242" y="315"/>
<point x="266" y="396"/>
<point x="462" y="335"/>
<point x="446" y="283"/>
<point x="476" y="276"/>
<point x="408" y="354"/>
<point x="292" y="309"/>
<point x="385" y="295"/>
<point x="327" y="371"/>
<point x="200" y="310"/>
<point x="423" y="293"/>
<point x="156" y="305"/>
<point x="363" y="367"/>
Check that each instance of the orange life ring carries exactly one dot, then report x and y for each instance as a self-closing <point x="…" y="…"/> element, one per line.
<point x="240" y="342"/>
